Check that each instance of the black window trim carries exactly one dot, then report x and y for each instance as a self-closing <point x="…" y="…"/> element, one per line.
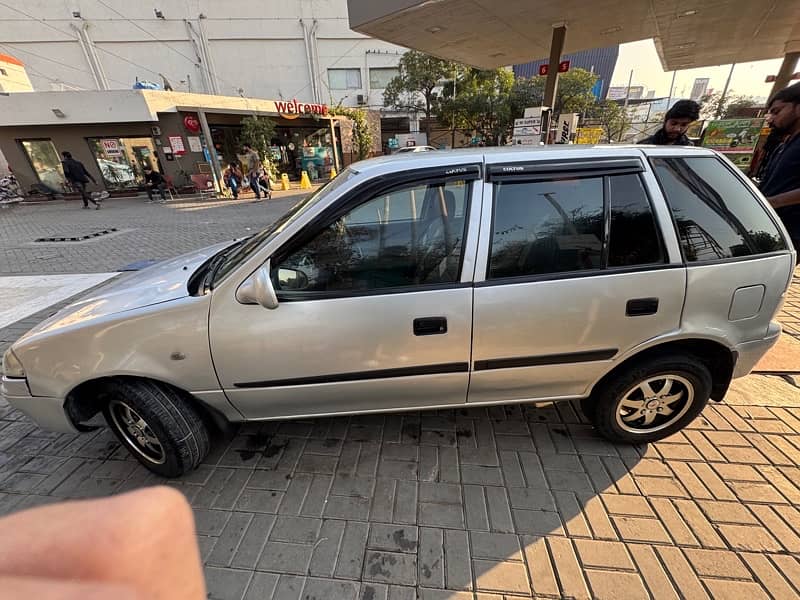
<point x="717" y="261"/>
<point x="523" y="171"/>
<point x="604" y="268"/>
<point x="367" y="191"/>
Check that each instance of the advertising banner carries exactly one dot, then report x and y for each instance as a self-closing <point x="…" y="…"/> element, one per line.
<point x="733" y="135"/>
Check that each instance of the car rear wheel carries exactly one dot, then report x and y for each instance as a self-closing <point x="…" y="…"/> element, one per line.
<point x="158" y="425"/>
<point x="650" y="401"/>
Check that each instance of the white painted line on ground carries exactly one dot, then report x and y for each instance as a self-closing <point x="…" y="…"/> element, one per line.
<point x="23" y="296"/>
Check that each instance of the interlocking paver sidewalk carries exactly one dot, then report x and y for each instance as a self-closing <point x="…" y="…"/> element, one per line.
<point x="467" y="504"/>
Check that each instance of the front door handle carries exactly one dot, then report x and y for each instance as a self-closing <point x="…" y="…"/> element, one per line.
<point x="430" y="326"/>
<point x="639" y="307"/>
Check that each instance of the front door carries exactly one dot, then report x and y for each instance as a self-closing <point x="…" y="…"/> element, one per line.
<point x="576" y="274"/>
<point x="373" y="311"/>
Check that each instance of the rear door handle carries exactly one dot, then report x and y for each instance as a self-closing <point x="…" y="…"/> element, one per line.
<point x="639" y="307"/>
<point x="430" y="326"/>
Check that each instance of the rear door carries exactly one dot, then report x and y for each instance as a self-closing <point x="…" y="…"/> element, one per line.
<point x="573" y="271"/>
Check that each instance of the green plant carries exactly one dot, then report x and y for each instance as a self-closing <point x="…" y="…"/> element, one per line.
<point x="362" y="134"/>
<point x="257" y="133"/>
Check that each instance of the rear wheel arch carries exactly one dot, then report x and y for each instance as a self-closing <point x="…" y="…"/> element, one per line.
<point x="719" y="359"/>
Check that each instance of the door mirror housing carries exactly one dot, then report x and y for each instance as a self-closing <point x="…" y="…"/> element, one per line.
<point x="258" y="288"/>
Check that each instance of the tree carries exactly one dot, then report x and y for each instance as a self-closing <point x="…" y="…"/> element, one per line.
<point x="481" y="104"/>
<point x="257" y="133"/>
<point x="413" y="88"/>
<point x="362" y="134"/>
<point x="612" y="117"/>
<point x="729" y="107"/>
<point x="574" y="91"/>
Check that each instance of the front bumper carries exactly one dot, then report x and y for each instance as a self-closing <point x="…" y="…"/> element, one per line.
<point x="48" y="413"/>
<point x="749" y="353"/>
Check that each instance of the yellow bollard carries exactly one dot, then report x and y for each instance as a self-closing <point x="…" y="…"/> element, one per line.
<point x="333" y="172"/>
<point x="305" y="182"/>
<point x="285" y="182"/>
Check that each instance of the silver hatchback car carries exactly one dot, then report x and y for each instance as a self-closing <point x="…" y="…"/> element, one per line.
<point x="637" y="280"/>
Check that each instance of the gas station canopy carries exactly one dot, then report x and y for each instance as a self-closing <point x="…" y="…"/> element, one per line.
<point x="489" y="34"/>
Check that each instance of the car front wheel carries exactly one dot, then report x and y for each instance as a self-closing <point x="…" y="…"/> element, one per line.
<point x="650" y="401"/>
<point x="157" y="425"/>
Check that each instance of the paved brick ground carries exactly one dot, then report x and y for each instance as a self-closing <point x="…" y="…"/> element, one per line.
<point x="479" y="504"/>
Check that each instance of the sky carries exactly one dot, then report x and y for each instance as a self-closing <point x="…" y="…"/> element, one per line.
<point x="747" y="80"/>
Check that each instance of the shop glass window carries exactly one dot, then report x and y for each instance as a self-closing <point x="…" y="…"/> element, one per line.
<point x="344" y="79"/>
<point x="122" y="161"/>
<point x="46" y="163"/>
<point x="634" y="237"/>
<point x="410" y="236"/>
<point x="380" y="77"/>
<point x="542" y="227"/>
<point x="716" y="214"/>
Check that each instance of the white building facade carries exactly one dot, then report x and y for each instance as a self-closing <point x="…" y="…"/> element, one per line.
<point x="302" y="49"/>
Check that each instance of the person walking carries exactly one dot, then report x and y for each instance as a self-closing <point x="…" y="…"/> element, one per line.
<point x="155" y="180"/>
<point x="676" y="122"/>
<point x="78" y="176"/>
<point x="254" y="169"/>
<point x="780" y="177"/>
<point x="233" y="179"/>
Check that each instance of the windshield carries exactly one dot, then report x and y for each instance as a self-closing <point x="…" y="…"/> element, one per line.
<point x="240" y="254"/>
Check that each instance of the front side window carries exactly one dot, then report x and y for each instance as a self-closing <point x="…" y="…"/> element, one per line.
<point x="542" y="227"/>
<point x="716" y="215"/>
<point x="344" y="79"/>
<point x="411" y="235"/>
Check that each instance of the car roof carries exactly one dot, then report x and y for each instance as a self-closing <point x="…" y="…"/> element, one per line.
<point x="502" y="154"/>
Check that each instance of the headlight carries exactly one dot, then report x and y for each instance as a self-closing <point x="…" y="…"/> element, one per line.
<point x="11" y="365"/>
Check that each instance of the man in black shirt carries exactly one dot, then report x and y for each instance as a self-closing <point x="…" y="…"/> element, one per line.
<point x="677" y="120"/>
<point x="78" y="176"/>
<point x="781" y="175"/>
<point x="155" y="180"/>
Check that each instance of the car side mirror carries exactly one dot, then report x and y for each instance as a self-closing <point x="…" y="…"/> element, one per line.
<point x="292" y="279"/>
<point x="258" y="288"/>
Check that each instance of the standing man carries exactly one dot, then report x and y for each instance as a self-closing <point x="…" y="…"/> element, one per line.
<point x="155" y="180"/>
<point x="677" y="120"/>
<point x="254" y="169"/>
<point x="780" y="181"/>
<point x="78" y="176"/>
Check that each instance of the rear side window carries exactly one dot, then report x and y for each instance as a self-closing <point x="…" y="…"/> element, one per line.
<point x="634" y="238"/>
<point x="543" y="227"/>
<point x="716" y="215"/>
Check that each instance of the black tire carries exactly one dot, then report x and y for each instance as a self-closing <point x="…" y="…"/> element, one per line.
<point x="624" y="422"/>
<point x="588" y="408"/>
<point x="166" y="416"/>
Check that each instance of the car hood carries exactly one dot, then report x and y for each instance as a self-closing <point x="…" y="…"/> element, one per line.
<point x="162" y="282"/>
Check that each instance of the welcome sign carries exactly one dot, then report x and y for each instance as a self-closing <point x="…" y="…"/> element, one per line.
<point x="294" y="109"/>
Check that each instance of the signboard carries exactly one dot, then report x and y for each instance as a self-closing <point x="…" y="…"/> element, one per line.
<point x="176" y="142"/>
<point x="563" y="67"/>
<point x="293" y="109"/>
<point x="699" y="88"/>
<point x="111" y="147"/>
<point x="191" y="123"/>
<point x="733" y="135"/>
<point x="589" y="135"/>
<point x="195" y="145"/>
<point x="527" y="132"/>
<point x="567" y="124"/>
<point x="524" y="127"/>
